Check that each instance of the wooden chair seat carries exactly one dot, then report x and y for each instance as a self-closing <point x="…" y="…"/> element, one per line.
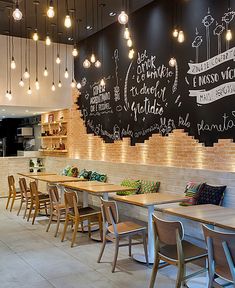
<point x="224" y="272"/>
<point x="190" y="251"/>
<point x="126" y="227"/>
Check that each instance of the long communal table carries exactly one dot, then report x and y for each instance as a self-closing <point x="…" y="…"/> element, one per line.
<point x="32" y="174"/>
<point x="148" y="201"/>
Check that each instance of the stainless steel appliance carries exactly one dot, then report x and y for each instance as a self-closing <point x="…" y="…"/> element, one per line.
<point x="3" y="147"/>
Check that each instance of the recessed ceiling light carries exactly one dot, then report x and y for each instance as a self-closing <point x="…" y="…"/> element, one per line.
<point x="88" y="27"/>
<point x="112" y="14"/>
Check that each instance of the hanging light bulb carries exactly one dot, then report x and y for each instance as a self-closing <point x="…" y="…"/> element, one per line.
<point x="181" y="36"/>
<point x="26" y="74"/>
<point x="48" y="41"/>
<point x="53" y="87"/>
<point x="229" y="35"/>
<point x="21" y="83"/>
<point x="131" y="53"/>
<point x="37" y="85"/>
<point x="129" y="43"/>
<point x="59" y="84"/>
<point x="45" y="72"/>
<point x="29" y="92"/>
<point x="73" y="84"/>
<point x="17" y="14"/>
<point x="58" y="59"/>
<point x="123" y="18"/>
<point x="75" y="52"/>
<point x="175" y="33"/>
<point x="102" y="82"/>
<point x="92" y="59"/>
<point x="67" y="21"/>
<point x="97" y="64"/>
<point x="35" y="36"/>
<point x="9" y="96"/>
<point x="86" y="63"/>
<point x="79" y="86"/>
<point x="172" y="62"/>
<point x="66" y="74"/>
<point x="13" y="63"/>
<point x="126" y="33"/>
<point x="50" y="11"/>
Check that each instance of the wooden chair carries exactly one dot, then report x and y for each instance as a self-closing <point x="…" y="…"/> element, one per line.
<point x="221" y="256"/>
<point x="13" y="193"/>
<point x="171" y="247"/>
<point x="38" y="201"/>
<point x="77" y="215"/>
<point x="57" y="209"/>
<point x="113" y="230"/>
<point x="25" y="196"/>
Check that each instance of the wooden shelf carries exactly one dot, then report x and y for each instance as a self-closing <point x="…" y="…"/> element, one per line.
<point x="37" y="167"/>
<point x="53" y="137"/>
<point x="53" y="151"/>
<point x="52" y="123"/>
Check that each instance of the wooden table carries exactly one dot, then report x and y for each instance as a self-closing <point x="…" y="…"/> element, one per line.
<point x="52" y="179"/>
<point x="208" y="214"/>
<point x="32" y="174"/>
<point x="148" y="201"/>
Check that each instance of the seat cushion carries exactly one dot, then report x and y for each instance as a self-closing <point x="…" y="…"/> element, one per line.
<point x="190" y="251"/>
<point x="127" y="227"/>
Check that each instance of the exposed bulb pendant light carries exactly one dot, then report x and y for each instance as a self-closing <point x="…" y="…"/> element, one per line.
<point x="7" y="46"/>
<point x="59" y="84"/>
<point x="53" y="87"/>
<point x="92" y="59"/>
<point x="229" y="35"/>
<point x="17" y="14"/>
<point x="50" y="10"/>
<point x="66" y="73"/>
<point x="13" y="63"/>
<point x="131" y="53"/>
<point x="97" y="64"/>
<point x="102" y="82"/>
<point x="36" y="82"/>
<point x="79" y="85"/>
<point x="175" y="33"/>
<point x="29" y="92"/>
<point x="21" y="82"/>
<point x="52" y="62"/>
<point x="75" y="51"/>
<point x="26" y="72"/>
<point x="73" y="84"/>
<point x="58" y="52"/>
<point x="181" y="36"/>
<point x="172" y="62"/>
<point x="129" y="43"/>
<point x="35" y="34"/>
<point x="48" y="40"/>
<point x="86" y="64"/>
<point x="45" y="72"/>
<point x="37" y="86"/>
<point x="67" y="20"/>
<point x="123" y="18"/>
<point x="126" y="33"/>
<point x="58" y="59"/>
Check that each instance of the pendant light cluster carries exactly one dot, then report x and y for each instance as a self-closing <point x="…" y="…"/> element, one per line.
<point x="177" y="32"/>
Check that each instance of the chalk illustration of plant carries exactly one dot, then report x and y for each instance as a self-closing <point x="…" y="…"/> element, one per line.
<point x="218" y="31"/>
<point x="196" y="44"/>
<point x="175" y="85"/>
<point x="207" y="22"/>
<point x="227" y="18"/>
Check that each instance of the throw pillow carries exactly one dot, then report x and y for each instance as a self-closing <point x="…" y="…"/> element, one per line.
<point x="98" y="177"/>
<point x="192" y="191"/>
<point x="211" y="195"/>
<point x="66" y="170"/>
<point x="85" y="174"/>
<point x="129" y="183"/>
<point x="149" y="186"/>
<point x="73" y="172"/>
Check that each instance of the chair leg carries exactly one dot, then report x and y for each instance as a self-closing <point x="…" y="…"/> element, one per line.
<point x="57" y="224"/>
<point x="180" y="275"/>
<point x="129" y="246"/>
<point x="26" y="208"/>
<point x="116" y="254"/>
<point x="30" y="210"/>
<point x="65" y="228"/>
<point x="100" y="227"/>
<point x="50" y="220"/>
<point x="102" y="249"/>
<point x="12" y="203"/>
<point x="154" y="271"/>
<point x="35" y="214"/>
<point x="8" y="200"/>
<point x="21" y="203"/>
<point x="74" y="232"/>
<point x="145" y="248"/>
<point x="89" y="228"/>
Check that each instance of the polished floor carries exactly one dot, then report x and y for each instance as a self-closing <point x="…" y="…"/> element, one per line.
<point x="32" y="258"/>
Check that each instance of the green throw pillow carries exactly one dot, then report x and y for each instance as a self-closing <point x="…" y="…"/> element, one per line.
<point x="98" y="177"/>
<point x="66" y="170"/>
<point x="149" y="186"/>
<point x="73" y="172"/>
<point x="192" y="191"/>
<point x="85" y="174"/>
<point x="129" y="183"/>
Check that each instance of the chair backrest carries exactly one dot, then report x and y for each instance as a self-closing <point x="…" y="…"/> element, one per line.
<point x="109" y="211"/>
<point x="71" y="202"/>
<point x="34" y="190"/>
<point x="166" y="231"/>
<point x="54" y="196"/>
<point x="11" y="184"/>
<point x="23" y="187"/>
<point x="221" y="251"/>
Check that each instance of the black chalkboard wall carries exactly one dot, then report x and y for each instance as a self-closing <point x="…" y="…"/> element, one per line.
<point x="145" y="95"/>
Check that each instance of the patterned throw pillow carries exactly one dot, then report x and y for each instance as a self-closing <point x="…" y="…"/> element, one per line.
<point x="147" y="186"/>
<point x="129" y="183"/>
<point x="98" y="177"/>
<point x="84" y="174"/>
<point x="211" y="195"/>
<point x="192" y="191"/>
<point x="66" y="170"/>
<point x="73" y="172"/>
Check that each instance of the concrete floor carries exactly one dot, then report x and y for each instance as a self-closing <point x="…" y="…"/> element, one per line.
<point x="32" y="258"/>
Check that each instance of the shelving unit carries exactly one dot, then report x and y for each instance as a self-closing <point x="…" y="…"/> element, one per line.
<point x="54" y="133"/>
<point x="36" y="164"/>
